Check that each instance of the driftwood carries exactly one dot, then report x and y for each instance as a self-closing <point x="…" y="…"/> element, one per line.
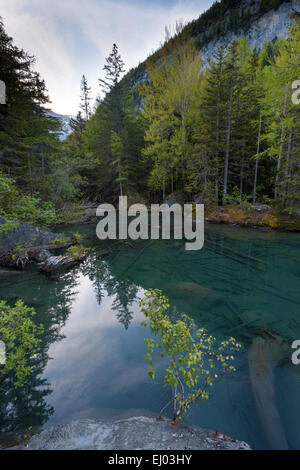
<point x="234" y="258"/>
<point x="34" y="253"/>
<point x="57" y="263"/>
<point x="238" y="253"/>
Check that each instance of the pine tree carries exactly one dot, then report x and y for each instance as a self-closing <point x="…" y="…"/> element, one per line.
<point x="209" y="129"/>
<point x="114" y="67"/>
<point x="231" y="81"/>
<point x="85" y="98"/>
<point x="282" y="118"/>
<point x="28" y="137"/>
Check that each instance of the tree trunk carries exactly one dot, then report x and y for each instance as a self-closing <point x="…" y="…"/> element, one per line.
<point x="256" y="160"/>
<point x="281" y="151"/>
<point x="241" y="179"/>
<point x="217" y="141"/>
<point x="228" y="138"/>
<point x="43" y="159"/>
<point x="288" y="166"/>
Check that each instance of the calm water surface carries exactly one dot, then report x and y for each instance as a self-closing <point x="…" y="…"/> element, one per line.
<point x="90" y="363"/>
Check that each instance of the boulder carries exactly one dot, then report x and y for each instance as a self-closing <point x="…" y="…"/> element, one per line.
<point x="137" y="433"/>
<point x="25" y="235"/>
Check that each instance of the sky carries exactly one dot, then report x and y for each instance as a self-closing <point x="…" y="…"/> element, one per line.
<point x="70" y="38"/>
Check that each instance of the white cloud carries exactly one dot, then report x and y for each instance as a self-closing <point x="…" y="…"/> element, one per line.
<point x="42" y="39"/>
<point x="54" y="32"/>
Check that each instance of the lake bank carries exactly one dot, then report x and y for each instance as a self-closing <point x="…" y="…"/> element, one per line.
<point x="259" y="216"/>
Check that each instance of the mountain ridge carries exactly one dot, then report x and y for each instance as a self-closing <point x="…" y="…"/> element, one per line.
<point x="264" y="24"/>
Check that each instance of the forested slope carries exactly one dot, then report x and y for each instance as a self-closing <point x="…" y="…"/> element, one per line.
<point x="218" y="129"/>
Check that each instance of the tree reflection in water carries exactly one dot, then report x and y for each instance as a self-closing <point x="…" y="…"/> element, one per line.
<point x="27" y="405"/>
<point x="105" y="281"/>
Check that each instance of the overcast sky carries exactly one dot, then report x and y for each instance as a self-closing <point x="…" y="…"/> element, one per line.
<point x="72" y="37"/>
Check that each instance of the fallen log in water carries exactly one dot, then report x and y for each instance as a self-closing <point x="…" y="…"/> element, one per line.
<point x="43" y="255"/>
<point x="34" y="253"/>
<point x="57" y="263"/>
<point x="261" y="356"/>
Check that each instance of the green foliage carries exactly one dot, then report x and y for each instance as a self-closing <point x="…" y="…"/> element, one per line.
<point x="235" y="197"/>
<point x="20" y="336"/>
<point x="266" y="199"/>
<point x="57" y="241"/>
<point x="237" y="134"/>
<point x="195" y="361"/>
<point x="77" y="237"/>
<point x="8" y="226"/>
<point x="33" y="210"/>
<point x="17" y="206"/>
<point x="18" y="247"/>
<point x="169" y="125"/>
<point x="77" y="251"/>
<point x="169" y="101"/>
<point x="31" y="150"/>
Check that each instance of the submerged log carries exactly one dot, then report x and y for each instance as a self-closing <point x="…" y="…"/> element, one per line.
<point x="262" y="355"/>
<point x="238" y="253"/>
<point x="189" y="290"/>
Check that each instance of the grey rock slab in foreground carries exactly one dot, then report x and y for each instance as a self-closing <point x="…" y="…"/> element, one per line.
<point x="138" y="433"/>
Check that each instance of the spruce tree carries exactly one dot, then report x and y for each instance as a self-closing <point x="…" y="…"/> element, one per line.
<point x="85" y="98"/>
<point x="114" y="67"/>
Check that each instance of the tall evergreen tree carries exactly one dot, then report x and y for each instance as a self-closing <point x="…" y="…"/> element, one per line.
<point x="28" y="136"/>
<point x="114" y="67"/>
<point x="85" y="98"/>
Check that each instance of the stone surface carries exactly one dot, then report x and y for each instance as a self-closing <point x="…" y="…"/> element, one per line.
<point x="137" y="433"/>
<point x="27" y="235"/>
<point x="271" y="25"/>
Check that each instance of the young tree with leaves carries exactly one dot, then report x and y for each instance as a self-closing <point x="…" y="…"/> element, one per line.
<point x="169" y="99"/>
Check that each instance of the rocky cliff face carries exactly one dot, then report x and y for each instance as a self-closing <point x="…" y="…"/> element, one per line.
<point x="263" y="27"/>
<point x="271" y="25"/>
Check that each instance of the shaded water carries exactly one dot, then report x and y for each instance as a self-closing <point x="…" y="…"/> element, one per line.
<point x="90" y="363"/>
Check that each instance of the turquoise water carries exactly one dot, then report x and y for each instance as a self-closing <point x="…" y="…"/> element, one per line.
<point x="90" y="364"/>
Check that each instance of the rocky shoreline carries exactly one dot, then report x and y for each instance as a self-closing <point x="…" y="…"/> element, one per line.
<point x="259" y="216"/>
<point x="25" y="243"/>
<point x="136" y="433"/>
